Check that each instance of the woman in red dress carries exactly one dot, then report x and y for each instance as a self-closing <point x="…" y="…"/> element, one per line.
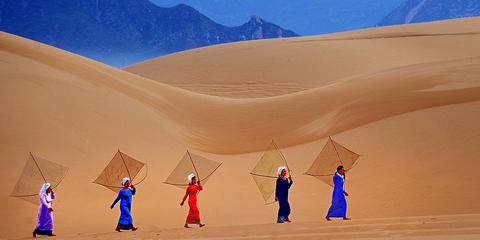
<point x="192" y="190"/>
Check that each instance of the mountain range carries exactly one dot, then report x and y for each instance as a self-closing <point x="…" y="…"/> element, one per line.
<point x="122" y="32"/>
<point x="305" y="17"/>
<point x="415" y="11"/>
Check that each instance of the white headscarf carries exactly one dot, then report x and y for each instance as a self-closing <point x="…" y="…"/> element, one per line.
<point x="45" y="198"/>
<point x="43" y="189"/>
<point x="190" y="177"/>
<point x="124" y="180"/>
<point x="341" y="176"/>
<point x="280" y="170"/>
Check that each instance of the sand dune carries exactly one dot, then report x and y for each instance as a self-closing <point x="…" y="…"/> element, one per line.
<point x="223" y="125"/>
<point x="413" y="117"/>
<point x="275" y="67"/>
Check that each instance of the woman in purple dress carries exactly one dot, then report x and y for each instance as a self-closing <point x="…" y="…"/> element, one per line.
<point x="45" y="215"/>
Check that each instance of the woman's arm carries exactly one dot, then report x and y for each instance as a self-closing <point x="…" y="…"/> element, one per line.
<point x="133" y="189"/>
<point x="185" y="197"/>
<point x="119" y="196"/>
<point x="200" y="187"/>
<point x="43" y="201"/>
<point x="276" y="190"/>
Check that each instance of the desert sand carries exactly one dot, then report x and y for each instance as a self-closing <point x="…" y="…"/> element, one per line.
<point x="406" y="98"/>
<point x="274" y="67"/>
<point x="463" y="227"/>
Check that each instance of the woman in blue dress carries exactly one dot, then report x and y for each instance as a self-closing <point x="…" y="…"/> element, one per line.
<point x="281" y="195"/>
<point x="338" y="209"/>
<point x="125" y="222"/>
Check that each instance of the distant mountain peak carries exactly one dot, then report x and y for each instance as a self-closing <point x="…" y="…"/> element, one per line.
<point x="258" y="28"/>
<point x="256" y="20"/>
<point x="122" y="32"/>
<point x="183" y="6"/>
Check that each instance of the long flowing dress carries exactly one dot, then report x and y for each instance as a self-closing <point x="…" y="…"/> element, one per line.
<point x="125" y="222"/>
<point x="281" y="192"/>
<point x="193" y="216"/>
<point x="45" y="216"/>
<point x="339" y="202"/>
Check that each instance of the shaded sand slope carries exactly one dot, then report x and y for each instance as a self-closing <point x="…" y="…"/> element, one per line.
<point x="222" y="125"/>
<point x="426" y="228"/>
<point x="415" y="126"/>
<point x="275" y="67"/>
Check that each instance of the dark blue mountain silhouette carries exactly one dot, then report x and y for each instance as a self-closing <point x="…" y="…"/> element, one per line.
<point x="122" y="32"/>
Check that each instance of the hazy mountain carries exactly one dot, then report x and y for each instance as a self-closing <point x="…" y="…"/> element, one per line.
<point x="122" y="32"/>
<point x="306" y="17"/>
<point x="414" y="11"/>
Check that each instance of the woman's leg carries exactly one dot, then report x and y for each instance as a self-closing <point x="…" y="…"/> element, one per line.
<point x="287" y="211"/>
<point x="281" y="211"/>
<point x="42" y="232"/>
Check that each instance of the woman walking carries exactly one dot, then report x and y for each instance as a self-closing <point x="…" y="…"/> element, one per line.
<point x="281" y="195"/>
<point x="45" y="212"/>
<point x="194" y="187"/>
<point x="125" y="222"/>
<point x="338" y="209"/>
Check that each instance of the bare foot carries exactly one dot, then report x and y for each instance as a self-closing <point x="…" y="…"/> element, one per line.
<point x="52" y="235"/>
<point x="201" y="225"/>
<point x="186" y="226"/>
<point x="34" y="234"/>
<point x="117" y="229"/>
<point x="328" y="219"/>
<point x="134" y="229"/>
<point x="288" y="220"/>
<point x="347" y="219"/>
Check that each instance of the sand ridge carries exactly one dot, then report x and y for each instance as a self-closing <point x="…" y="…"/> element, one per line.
<point x="258" y="68"/>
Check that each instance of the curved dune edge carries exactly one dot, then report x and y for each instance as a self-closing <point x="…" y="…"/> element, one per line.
<point x="222" y="125"/>
<point x="259" y="69"/>
<point x="331" y="109"/>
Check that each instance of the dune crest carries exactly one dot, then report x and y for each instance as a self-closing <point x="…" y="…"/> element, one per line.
<point x="222" y="125"/>
<point x="261" y="69"/>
